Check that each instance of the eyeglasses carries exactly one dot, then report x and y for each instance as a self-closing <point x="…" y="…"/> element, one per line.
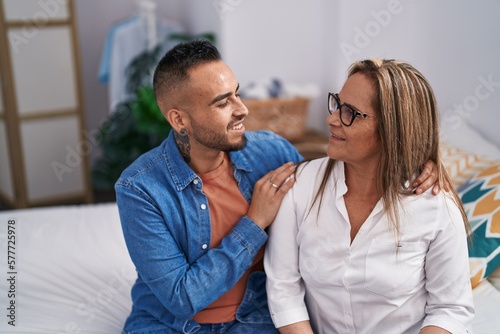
<point x="347" y="113"/>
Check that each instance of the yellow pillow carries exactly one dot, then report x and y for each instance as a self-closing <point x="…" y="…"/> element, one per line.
<point x="462" y="165"/>
<point x="481" y="198"/>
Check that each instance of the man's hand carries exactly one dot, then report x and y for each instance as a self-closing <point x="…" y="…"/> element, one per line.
<point x="429" y="178"/>
<point x="268" y="193"/>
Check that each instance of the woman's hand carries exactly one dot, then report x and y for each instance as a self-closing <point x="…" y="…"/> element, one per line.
<point x="302" y="327"/>
<point x="433" y="330"/>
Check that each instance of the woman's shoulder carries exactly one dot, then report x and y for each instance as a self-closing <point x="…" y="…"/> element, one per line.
<point x="439" y="208"/>
<point x="312" y="167"/>
<point x="312" y="172"/>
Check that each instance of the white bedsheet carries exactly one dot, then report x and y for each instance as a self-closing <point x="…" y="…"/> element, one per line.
<point x="73" y="270"/>
<point x="487" y="303"/>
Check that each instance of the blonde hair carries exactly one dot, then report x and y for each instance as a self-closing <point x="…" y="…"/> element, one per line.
<point x="408" y="127"/>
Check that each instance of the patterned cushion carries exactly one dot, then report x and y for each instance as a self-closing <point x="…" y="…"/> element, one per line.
<point x="494" y="279"/>
<point x="477" y="179"/>
<point x="481" y="198"/>
<point x="462" y="165"/>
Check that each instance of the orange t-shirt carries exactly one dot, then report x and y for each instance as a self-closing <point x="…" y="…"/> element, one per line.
<point x="227" y="205"/>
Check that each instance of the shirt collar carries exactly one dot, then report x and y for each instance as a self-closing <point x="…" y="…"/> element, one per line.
<point x="179" y="170"/>
<point x="339" y="176"/>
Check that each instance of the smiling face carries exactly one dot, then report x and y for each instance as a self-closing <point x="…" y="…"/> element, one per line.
<point x="359" y="143"/>
<point x="214" y="112"/>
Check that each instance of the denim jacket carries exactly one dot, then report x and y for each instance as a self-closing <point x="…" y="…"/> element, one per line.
<point x="166" y="224"/>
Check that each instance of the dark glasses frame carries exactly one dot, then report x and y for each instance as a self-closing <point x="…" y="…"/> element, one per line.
<point x="347" y="112"/>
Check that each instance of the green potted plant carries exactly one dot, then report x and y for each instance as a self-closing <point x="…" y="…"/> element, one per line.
<point x="131" y="130"/>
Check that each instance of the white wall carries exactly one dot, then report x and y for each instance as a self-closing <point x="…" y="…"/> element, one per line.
<point x="202" y="16"/>
<point x="455" y="43"/>
<point x="384" y="29"/>
<point x="462" y="53"/>
<point x="280" y="39"/>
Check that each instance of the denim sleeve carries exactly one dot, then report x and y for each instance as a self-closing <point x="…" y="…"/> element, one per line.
<point x="183" y="288"/>
<point x="279" y="148"/>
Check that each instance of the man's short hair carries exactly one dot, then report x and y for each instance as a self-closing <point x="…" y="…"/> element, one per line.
<point x="172" y="70"/>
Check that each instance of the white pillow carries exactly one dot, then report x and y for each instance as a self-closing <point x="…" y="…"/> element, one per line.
<point x="464" y="136"/>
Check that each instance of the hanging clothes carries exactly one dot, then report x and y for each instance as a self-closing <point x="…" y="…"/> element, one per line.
<point x="128" y="39"/>
<point x="104" y="67"/>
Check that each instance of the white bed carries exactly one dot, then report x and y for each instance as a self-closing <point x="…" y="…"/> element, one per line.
<point x="73" y="273"/>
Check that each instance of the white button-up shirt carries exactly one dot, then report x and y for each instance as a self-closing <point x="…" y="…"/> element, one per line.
<point x="377" y="284"/>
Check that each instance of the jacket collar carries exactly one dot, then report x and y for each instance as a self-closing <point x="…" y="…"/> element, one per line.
<point x="179" y="170"/>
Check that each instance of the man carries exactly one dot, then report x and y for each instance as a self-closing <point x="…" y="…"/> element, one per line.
<point x="194" y="210"/>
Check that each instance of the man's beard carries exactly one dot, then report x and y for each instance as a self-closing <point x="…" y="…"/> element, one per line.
<point x="215" y="140"/>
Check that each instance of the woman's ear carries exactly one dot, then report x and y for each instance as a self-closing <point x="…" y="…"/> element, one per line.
<point x="176" y="118"/>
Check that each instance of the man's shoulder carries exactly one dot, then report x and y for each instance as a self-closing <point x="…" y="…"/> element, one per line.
<point x="265" y="139"/>
<point x="263" y="136"/>
<point x="142" y="165"/>
<point x="265" y="145"/>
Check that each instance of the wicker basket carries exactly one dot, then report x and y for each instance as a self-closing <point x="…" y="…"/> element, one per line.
<point x="286" y="117"/>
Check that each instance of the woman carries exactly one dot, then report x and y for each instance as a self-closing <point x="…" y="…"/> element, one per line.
<point x="352" y="249"/>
